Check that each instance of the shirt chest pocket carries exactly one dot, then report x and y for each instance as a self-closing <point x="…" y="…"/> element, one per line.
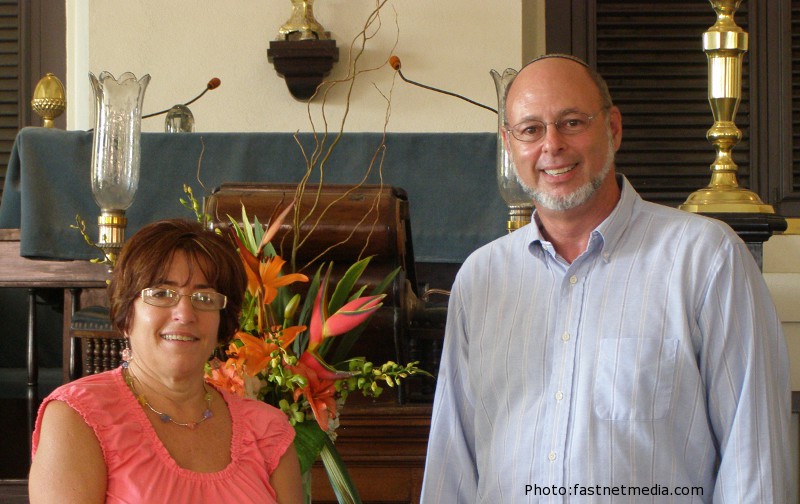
<point x="634" y="379"/>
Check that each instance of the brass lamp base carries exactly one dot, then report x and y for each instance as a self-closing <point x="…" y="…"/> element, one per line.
<point x="518" y="216"/>
<point x="111" y="229"/>
<point x="725" y="200"/>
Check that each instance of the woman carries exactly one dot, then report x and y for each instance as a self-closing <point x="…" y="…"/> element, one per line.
<point x="153" y="430"/>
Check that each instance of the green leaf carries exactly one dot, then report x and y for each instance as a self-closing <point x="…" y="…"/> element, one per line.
<point x="269" y="250"/>
<point x="381" y="287"/>
<point x="238" y="230"/>
<point x="258" y="232"/>
<point x="278" y="305"/>
<point x="311" y="295"/>
<point x="343" y="486"/>
<point x="309" y="440"/>
<point x="346" y="284"/>
<point x="357" y="294"/>
<point x="247" y="229"/>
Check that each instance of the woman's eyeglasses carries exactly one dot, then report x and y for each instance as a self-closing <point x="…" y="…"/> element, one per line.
<point x="204" y="301"/>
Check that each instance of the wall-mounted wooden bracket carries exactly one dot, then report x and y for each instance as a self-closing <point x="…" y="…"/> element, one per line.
<point x="303" y="63"/>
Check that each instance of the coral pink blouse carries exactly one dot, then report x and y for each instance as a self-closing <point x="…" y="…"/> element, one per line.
<point x="141" y="470"/>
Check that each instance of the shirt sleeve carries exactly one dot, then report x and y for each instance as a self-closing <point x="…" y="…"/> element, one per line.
<point x="273" y="434"/>
<point x="450" y="470"/>
<point x="744" y="362"/>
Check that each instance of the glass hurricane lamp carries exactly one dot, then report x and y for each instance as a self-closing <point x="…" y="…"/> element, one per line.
<point x="116" y="153"/>
<point x="519" y="202"/>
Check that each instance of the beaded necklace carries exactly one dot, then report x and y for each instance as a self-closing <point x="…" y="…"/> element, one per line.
<point x="129" y="380"/>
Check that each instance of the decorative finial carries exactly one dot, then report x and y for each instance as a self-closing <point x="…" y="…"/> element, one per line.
<point x="49" y="99"/>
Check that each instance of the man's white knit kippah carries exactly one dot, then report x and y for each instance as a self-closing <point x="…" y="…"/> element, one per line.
<point x="557" y="55"/>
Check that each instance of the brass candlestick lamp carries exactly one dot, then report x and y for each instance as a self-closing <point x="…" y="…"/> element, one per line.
<point x="725" y="44"/>
<point x="116" y="153"/>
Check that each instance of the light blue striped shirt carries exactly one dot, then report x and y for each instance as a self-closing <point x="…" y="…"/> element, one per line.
<point x="653" y="364"/>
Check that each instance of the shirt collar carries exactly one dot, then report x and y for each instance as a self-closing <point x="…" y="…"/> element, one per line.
<point x="608" y="232"/>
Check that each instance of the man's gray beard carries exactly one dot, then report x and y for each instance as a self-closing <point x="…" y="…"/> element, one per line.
<point x="576" y="198"/>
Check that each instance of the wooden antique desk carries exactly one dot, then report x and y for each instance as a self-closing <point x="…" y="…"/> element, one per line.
<point x="33" y="275"/>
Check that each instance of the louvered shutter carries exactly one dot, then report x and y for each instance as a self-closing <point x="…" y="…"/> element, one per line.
<point x="9" y="81"/>
<point x="657" y="73"/>
<point x="795" y="183"/>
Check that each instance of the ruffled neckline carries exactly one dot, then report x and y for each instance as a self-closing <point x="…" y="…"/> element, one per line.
<point x="162" y="453"/>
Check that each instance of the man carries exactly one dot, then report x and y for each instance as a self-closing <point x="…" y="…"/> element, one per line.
<point x="613" y="351"/>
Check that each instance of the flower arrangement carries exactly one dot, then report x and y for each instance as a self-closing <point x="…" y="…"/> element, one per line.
<point x="282" y="351"/>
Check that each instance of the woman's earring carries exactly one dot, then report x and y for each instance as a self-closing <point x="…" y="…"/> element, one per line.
<point x="127" y="354"/>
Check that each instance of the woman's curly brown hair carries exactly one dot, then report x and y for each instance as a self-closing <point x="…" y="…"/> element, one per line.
<point x="147" y="256"/>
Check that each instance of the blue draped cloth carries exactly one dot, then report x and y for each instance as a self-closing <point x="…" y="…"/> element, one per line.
<point x="449" y="178"/>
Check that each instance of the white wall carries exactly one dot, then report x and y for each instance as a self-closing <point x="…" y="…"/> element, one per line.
<point x="782" y="273"/>
<point x="183" y="43"/>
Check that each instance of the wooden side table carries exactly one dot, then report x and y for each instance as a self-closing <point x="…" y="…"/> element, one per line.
<point x="69" y="276"/>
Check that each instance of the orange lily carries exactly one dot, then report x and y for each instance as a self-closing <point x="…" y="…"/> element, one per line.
<point x="225" y="377"/>
<point x="289" y="334"/>
<point x="265" y="276"/>
<point x="274" y="226"/>
<point x="272" y="280"/>
<point x="254" y="356"/>
<point x="261" y="276"/>
<point x="255" y="353"/>
<point x="320" y="391"/>
<point x="251" y="266"/>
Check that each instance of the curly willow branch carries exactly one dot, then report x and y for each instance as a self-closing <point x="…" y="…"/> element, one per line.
<point x="323" y="149"/>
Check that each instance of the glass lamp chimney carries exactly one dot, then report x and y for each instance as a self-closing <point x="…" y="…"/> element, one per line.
<point x="116" y="152"/>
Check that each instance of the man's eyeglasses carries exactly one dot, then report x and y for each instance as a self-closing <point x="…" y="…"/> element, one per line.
<point x="204" y="301"/>
<point x="568" y="124"/>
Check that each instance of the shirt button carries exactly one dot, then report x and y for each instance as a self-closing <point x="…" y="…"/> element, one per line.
<point x="573" y="279"/>
<point x="551" y="456"/>
<point x="565" y="336"/>
<point x="559" y="395"/>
